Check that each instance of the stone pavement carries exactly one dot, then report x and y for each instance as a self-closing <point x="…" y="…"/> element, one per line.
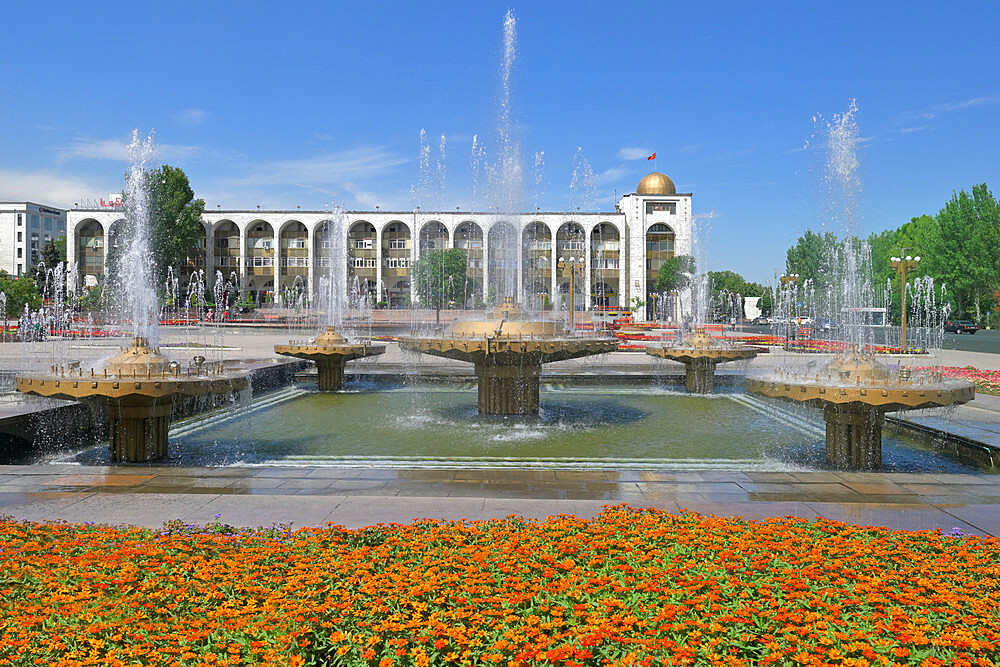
<point x="355" y="497"/>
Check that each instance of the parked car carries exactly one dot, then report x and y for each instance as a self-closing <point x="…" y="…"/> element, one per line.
<point x="961" y="326"/>
<point x="763" y="319"/>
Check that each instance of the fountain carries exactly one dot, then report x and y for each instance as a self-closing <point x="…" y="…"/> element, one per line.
<point x="700" y="354"/>
<point x="331" y="352"/>
<point x="854" y="389"/>
<point x="508" y="352"/>
<point x="139" y="385"/>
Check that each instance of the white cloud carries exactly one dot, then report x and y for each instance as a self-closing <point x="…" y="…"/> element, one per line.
<point x="49" y="188"/>
<point x="117" y="150"/>
<point x="908" y="130"/>
<point x="612" y="174"/>
<point x="632" y="153"/>
<point x="327" y="171"/>
<point x="192" y="116"/>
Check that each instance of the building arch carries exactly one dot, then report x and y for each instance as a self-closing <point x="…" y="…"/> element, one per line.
<point x="260" y="258"/>
<point x="433" y="236"/>
<point x="502" y="257"/>
<point x="293" y="248"/>
<point x="659" y="248"/>
<point x="536" y="264"/>
<point x="570" y="240"/>
<point x="396" y="252"/>
<point x="468" y="236"/>
<point x="89" y="239"/>
<point x="605" y="265"/>
<point x="226" y="247"/>
<point x="362" y="257"/>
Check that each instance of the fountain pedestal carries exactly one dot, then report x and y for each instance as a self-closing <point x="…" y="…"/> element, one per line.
<point x="331" y="352"/>
<point x="138" y="428"/>
<point x="508" y="390"/>
<point x="854" y="436"/>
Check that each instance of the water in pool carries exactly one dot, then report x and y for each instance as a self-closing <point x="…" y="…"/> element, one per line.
<point x="580" y="426"/>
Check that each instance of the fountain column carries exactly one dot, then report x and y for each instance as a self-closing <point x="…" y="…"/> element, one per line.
<point x="330" y="373"/>
<point x="506" y="389"/>
<point x="699" y="375"/>
<point x="854" y="435"/>
<point x="138" y="428"/>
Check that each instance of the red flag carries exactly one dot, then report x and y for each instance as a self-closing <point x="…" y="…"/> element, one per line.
<point x="652" y="157"/>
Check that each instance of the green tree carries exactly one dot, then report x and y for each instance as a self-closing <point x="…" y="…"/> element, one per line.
<point x="813" y="257"/>
<point x="964" y="252"/>
<point x="440" y="278"/>
<point x="726" y="280"/>
<point x="176" y="218"/>
<point x="20" y="292"/>
<point x="50" y="254"/>
<point x="675" y="273"/>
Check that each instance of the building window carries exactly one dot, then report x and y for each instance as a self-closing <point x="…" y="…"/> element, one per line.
<point x="661" y="207"/>
<point x="397" y="262"/>
<point x="398" y="244"/>
<point x="297" y="243"/>
<point x="34" y="220"/>
<point x="19" y="237"/>
<point x="20" y="254"/>
<point x="363" y="244"/>
<point x="20" y="220"/>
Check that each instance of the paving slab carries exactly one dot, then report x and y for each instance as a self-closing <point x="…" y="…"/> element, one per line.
<point x="302" y="495"/>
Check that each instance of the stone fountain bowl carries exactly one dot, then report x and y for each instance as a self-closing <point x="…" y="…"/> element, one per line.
<point x="139" y="370"/>
<point x="329" y="344"/>
<point x="860" y="379"/>
<point x="701" y="346"/>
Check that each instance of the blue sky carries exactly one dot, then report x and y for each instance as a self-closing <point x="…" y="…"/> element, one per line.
<point x="305" y="103"/>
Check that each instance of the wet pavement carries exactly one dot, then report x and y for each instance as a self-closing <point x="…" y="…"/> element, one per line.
<point x="354" y="497"/>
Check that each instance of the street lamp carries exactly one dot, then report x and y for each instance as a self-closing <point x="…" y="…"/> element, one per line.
<point x="569" y="268"/>
<point x="903" y="265"/>
<point x="793" y="280"/>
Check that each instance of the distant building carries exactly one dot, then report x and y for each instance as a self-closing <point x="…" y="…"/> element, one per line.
<point x="24" y="228"/>
<point x="508" y="254"/>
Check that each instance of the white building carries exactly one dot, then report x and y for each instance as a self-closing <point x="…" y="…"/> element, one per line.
<point x="267" y="249"/>
<point x="24" y="228"/>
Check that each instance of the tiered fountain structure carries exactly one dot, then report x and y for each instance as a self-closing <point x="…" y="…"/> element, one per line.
<point x="331" y="352"/>
<point x="508" y="351"/>
<point x="139" y="385"/>
<point x="700" y="354"/>
<point x="855" y="391"/>
<point x="138" y="388"/>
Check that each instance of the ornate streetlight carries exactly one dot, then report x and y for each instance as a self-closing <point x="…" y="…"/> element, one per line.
<point x="793" y="280"/>
<point x="569" y="268"/>
<point x="903" y="265"/>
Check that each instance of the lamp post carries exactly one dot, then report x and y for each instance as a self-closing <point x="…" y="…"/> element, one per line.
<point x="903" y="265"/>
<point x="793" y="280"/>
<point x="569" y="267"/>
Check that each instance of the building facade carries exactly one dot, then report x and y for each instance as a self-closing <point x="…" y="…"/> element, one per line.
<point x="267" y="252"/>
<point x="24" y="228"/>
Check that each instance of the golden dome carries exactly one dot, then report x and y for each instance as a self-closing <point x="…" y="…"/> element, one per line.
<point x="656" y="184"/>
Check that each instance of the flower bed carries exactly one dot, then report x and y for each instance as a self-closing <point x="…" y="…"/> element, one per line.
<point x="629" y="587"/>
<point x="987" y="382"/>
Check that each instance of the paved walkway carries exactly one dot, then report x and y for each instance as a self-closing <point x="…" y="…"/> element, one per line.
<point x="354" y="497"/>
